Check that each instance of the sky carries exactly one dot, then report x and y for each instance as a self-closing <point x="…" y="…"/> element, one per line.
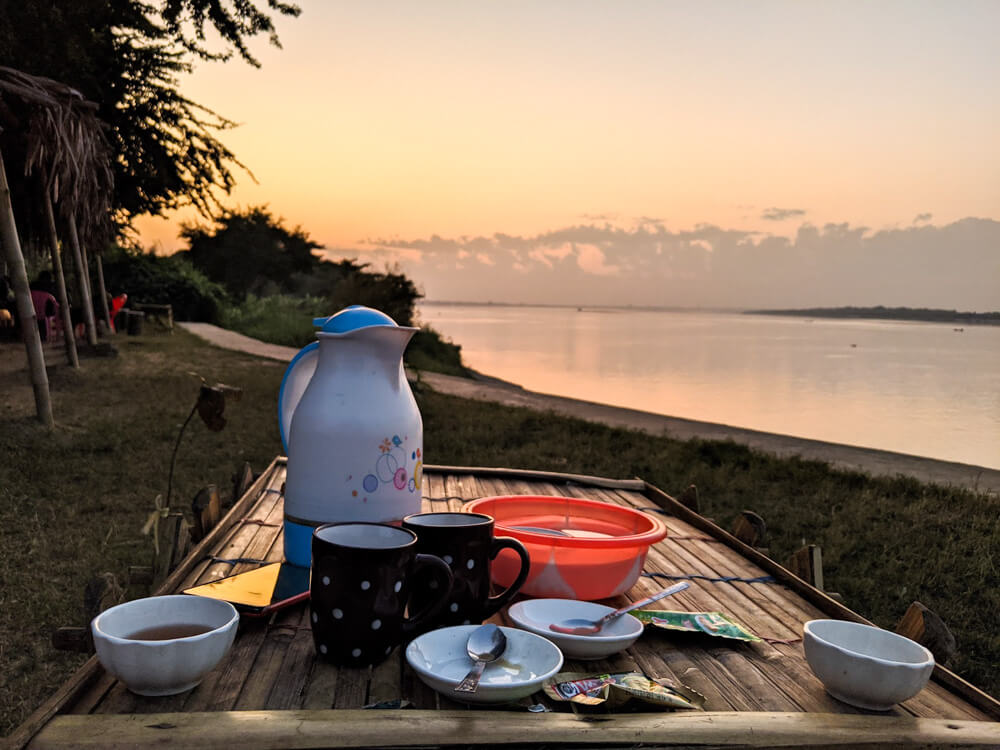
<point x="696" y="154"/>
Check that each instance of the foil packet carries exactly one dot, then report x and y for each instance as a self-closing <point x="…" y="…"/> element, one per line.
<point x="709" y="623"/>
<point x="615" y="690"/>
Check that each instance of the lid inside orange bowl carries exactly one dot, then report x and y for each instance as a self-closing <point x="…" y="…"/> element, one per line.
<point x="569" y="521"/>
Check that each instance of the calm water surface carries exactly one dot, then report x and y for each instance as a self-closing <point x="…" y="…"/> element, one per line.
<point x="918" y="388"/>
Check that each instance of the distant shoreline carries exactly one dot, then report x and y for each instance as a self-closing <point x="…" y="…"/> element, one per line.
<point x="921" y="315"/>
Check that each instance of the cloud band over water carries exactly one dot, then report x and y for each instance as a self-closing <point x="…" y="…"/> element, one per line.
<point x="951" y="266"/>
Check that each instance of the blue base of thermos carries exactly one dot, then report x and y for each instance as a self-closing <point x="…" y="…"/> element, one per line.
<point x="298" y="543"/>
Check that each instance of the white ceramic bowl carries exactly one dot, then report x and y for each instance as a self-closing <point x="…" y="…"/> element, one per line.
<point x="535" y="615"/>
<point x="164" y="667"/>
<point x="866" y="666"/>
<point x="440" y="660"/>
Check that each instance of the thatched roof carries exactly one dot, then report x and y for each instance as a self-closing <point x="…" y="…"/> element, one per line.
<point x="64" y="144"/>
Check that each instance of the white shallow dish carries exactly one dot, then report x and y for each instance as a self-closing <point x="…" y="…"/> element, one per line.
<point x="865" y="666"/>
<point x="440" y="660"/>
<point x="164" y="667"/>
<point x="535" y="615"/>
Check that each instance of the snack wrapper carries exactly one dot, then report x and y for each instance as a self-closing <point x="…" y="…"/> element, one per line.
<point x="615" y="690"/>
<point x="709" y="623"/>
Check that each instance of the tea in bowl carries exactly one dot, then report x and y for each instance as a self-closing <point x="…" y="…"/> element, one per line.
<point x="162" y="645"/>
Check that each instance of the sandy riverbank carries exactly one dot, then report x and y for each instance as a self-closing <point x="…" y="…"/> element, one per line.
<point x="869" y="460"/>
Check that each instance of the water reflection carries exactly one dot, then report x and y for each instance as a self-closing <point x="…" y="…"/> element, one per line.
<point x="916" y="388"/>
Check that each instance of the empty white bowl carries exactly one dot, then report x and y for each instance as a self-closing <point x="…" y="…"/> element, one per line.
<point x="535" y="615"/>
<point x="173" y="665"/>
<point x="440" y="660"/>
<point x="866" y="666"/>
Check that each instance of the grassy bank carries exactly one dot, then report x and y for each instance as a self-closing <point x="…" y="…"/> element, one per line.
<point x="72" y="502"/>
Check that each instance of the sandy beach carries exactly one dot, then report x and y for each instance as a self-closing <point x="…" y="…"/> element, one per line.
<point x="483" y="388"/>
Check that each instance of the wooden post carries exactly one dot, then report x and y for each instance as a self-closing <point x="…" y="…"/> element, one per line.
<point x="69" y="336"/>
<point x="175" y="538"/>
<point x="689" y="498"/>
<point x="207" y="509"/>
<point x="242" y="481"/>
<point x="25" y="310"/>
<point x="750" y="529"/>
<point x="807" y="564"/>
<point x="81" y="271"/>
<point x="926" y="628"/>
<point x="102" y="290"/>
<point x="101" y="592"/>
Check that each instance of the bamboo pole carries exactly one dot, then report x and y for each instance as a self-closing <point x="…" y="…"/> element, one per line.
<point x="69" y="336"/>
<point x="26" y="311"/>
<point x="81" y="272"/>
<point x="104" y="293"/>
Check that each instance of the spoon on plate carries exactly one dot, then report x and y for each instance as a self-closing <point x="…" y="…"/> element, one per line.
<point x="579" y="626"/>
<point x="487" y="643"/>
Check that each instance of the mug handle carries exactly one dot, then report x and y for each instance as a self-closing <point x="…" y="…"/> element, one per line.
<point x="440" y="572"/>
<point x="494" y="603"/>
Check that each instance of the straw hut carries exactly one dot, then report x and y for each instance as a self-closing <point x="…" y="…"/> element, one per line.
<point x="60" y="163"/>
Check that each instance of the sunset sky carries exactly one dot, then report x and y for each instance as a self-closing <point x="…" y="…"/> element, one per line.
<point x="614" y="145"/>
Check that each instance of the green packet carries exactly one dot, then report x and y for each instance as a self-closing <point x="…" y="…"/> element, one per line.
<point x="615" y="690"/>
<point x="711" y="623"/>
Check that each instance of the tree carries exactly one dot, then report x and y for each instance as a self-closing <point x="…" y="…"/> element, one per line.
<point x="128" y="56"/>
<point x="250" y="252"/>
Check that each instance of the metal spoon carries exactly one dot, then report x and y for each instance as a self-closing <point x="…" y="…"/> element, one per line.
<point x="579" y="626"/>
<point x="487" y="643"/>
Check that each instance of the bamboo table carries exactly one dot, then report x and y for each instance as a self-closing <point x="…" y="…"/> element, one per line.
<point x="271" y="691"/>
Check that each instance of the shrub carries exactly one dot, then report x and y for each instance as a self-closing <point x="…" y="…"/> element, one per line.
<point x="154" y="279"/>
<point x="278" y="319"/>
<point x="428" y="351"/>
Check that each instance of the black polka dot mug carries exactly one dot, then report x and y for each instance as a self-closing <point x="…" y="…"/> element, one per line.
<point x="361" y="579"/>
<point x="465" y="541"/>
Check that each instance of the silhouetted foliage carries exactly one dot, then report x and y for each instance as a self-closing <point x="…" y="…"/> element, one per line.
<point x="250" y="252"/>
<point x="128" y="57"/>
<point x="170" y="280"/>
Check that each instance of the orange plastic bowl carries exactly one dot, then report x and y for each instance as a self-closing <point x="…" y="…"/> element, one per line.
<point x="579" y="549"/>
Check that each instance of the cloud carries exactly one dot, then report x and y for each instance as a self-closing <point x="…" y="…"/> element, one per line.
<point x="954" y="266"/>
<point x="591" y="260"/>
<point x="648" y="220"/>
<point x="921" y="218"/>
<point x="780" y="214"/>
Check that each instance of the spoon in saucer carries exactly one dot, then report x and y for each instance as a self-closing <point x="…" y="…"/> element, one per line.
<point x="579" y="626"/>
<point x="487" y="643"/>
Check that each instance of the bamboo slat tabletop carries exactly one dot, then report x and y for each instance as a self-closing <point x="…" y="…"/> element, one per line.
<point x="273" y="668"/>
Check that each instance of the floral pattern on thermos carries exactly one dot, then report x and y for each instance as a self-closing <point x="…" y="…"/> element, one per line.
<point x="389" y="468"/>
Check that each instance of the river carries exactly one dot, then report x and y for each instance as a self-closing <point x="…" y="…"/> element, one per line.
<point x="925" y="389"/>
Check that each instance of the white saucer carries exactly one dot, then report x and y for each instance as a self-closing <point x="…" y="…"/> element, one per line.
<point x="440" y="660"/>
<point x="535" y="615"/>
<point x="297" y="376"/>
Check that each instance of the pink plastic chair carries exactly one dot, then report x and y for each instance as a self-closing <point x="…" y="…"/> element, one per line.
<point x="46" y="311"/>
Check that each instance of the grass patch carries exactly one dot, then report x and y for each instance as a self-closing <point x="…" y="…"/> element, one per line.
<point x="72" y="502"/>
<point x="278" y="319"/>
